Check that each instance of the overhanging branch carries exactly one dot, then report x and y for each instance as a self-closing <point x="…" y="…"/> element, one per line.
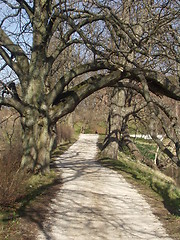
<point x="157" y="82"/>
<point x="70" y="75"/>
<point x="72" y="98"/>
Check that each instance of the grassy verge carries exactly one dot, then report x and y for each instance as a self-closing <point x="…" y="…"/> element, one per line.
<point x="147" y="148"/>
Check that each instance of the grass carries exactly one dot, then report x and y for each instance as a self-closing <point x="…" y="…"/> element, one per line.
<point x="147" y="148"/>
<point x="158" y="189"/>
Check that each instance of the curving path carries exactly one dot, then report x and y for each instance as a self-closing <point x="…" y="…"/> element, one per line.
<point x="96" y="203"/>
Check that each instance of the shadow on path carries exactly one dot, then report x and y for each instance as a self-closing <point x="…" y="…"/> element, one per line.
<point x="95" y="202"/>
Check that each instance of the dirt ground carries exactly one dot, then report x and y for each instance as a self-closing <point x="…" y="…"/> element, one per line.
<point x="36" y="223"/>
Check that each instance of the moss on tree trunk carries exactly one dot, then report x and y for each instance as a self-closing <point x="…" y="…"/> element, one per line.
<point x="38" y="140"/>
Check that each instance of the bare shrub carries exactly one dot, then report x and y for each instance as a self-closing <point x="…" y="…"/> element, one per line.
<point x="10" y="129"/>
<point x="64" y="132"/>
<point x="12" y="179"/>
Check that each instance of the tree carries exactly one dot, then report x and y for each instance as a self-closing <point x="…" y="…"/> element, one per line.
<point x="118" y="99"/>
<point x="27" y="32"/>
<point x="135" y="14"/>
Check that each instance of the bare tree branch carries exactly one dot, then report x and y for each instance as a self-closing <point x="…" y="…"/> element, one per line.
<point x="70" y="99"/>
<point x="28" y="9"/>
<point x="11" y="102"/>
<point x="20" y="65"/>
<point x="70" y="75"/>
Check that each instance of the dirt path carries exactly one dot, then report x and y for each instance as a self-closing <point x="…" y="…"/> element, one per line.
<point x="96" y="202"/>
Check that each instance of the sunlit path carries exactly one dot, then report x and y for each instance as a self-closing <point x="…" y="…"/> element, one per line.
<point x="97" y="203"/>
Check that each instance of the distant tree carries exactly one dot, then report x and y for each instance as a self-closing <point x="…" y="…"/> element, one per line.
<point x="28" y="30"/>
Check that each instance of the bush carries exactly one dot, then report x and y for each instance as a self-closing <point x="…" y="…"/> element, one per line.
<point x="12" y="179"/>
<point x="64" y="133"/>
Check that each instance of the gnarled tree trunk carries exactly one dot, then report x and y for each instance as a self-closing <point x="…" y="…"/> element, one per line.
<point x="38" y="139"/>
<point x="115" y="119"/>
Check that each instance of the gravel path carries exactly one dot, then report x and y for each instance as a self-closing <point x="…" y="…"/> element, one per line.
<point x="96" y="203"/>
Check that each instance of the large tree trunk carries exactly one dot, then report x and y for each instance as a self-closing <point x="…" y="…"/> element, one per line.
<point x="111" y="143"/>
<point x="38" y="140"/>
<point x="118" y="100"/>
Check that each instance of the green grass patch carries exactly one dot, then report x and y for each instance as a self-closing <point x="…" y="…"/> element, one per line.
<point x="146" y="147"/>
<point x="158" y="182"/>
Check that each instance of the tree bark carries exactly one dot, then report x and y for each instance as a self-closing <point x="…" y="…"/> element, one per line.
<point x="134" y="150"/>
<point x="131" y="146"/>
<point x="38" y="140"/>
<point x="111" y="143"/>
